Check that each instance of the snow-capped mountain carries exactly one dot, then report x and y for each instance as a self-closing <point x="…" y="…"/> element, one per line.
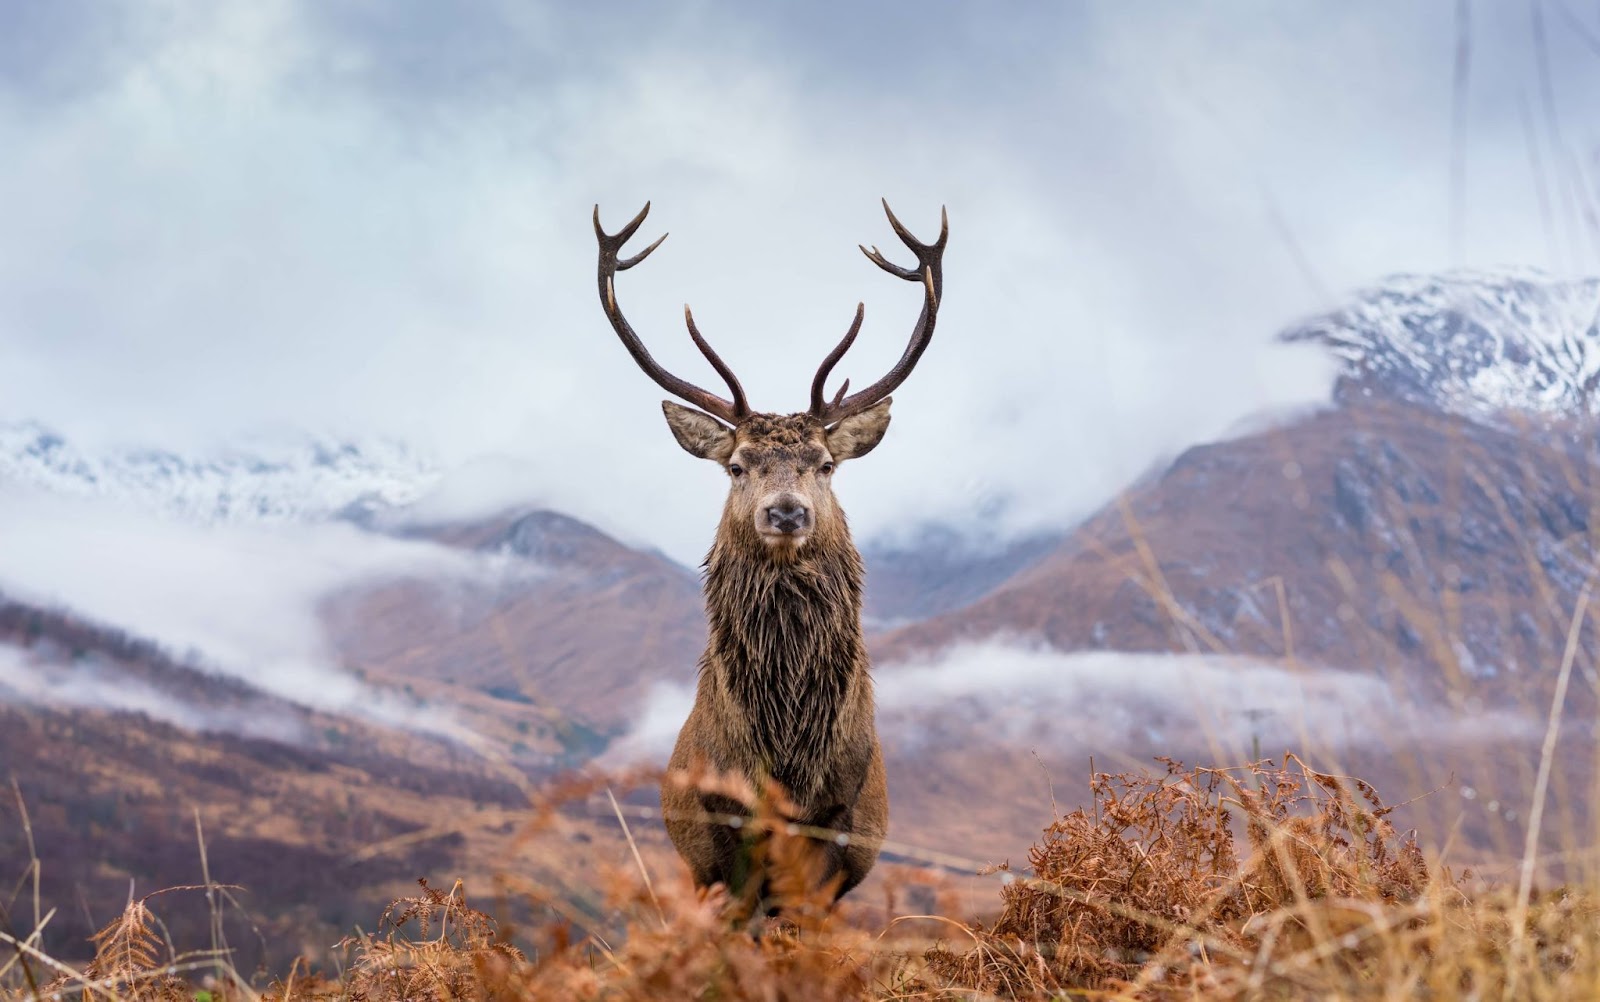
<point x="271" y="481"/>
<point x="1485" y="345"/>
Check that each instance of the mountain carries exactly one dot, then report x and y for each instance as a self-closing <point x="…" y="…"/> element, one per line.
<point x="1417" y="519"/>
<point x="290" y="479"/>
<point x="1374" y="533"/>
<point x="1489" y="346"/>
<point x="1432" y="532"/>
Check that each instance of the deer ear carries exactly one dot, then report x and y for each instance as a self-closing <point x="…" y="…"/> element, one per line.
<point x="700" y="434"/>
<point x="859" y="434"/>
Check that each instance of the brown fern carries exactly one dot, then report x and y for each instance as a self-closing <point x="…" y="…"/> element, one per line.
<point x="130" y="962"/>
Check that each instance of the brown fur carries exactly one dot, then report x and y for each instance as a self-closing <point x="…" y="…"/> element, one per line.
<point x="785" y="693"/>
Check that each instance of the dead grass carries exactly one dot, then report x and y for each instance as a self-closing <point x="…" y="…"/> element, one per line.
<point x="1267" y="881"/>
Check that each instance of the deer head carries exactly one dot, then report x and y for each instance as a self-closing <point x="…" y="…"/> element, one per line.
<point x="780" y="466"/>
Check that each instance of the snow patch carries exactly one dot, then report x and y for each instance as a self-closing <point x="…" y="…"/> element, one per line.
<point x="1480" y="344"/>
<point x="284" y="480"/>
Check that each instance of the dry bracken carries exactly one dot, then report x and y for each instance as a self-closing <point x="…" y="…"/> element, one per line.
<point x="1270" y="881"/>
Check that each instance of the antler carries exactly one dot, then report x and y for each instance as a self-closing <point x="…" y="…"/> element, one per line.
<point x="930" y="273"/>
<point x="732" y="411"/>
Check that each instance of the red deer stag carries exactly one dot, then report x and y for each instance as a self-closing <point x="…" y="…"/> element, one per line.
<point x="785" y="692"/>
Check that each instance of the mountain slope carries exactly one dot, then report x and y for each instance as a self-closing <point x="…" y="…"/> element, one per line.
<point x="581" y="634"/>
<point x="117" y="749"/>
<point x="1366" y="536"/>
<point x="937" y="570"/>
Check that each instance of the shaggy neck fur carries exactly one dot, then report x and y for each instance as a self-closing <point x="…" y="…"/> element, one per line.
<point x="785" y="642"/>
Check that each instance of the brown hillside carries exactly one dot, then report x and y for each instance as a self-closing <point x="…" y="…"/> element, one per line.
<point x="579" y="626"/>
<point x="1374" y="538"/>
<point x="1436" y="555"/>
<point x="113" y="795"/>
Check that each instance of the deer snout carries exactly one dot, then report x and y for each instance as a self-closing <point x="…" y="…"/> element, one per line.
<point x="788" y="514"/>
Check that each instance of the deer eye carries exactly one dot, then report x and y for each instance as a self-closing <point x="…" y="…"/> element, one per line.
<point x="735" y="470"/>
<point x="825" y="469"/>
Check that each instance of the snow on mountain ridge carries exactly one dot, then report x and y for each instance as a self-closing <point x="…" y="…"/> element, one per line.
<point x="274" y="481"/>
<point x="1479" y="344"/>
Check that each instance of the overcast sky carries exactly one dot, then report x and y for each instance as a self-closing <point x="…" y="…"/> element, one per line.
<point x="371" y="218"/>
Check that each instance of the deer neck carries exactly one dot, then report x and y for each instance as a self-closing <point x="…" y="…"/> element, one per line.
<point x="785" y="641"/>
<point x="796" y="616"/>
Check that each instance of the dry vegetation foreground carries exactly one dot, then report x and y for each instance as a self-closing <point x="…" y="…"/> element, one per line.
<point x="1272" y="881"/>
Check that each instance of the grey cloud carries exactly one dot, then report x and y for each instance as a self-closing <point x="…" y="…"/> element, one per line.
<point x="373" y="219"/>
<point x="53" y="52"/>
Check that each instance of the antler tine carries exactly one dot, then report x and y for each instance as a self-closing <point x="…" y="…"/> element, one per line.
<point x="911" y="241"/>
<point x="627" y="263"/>
<point x="817" y="384"/>
<point x="732" y="411"/>
<point x="740" y="405"/>
<point x="615" y="241"/>
<point x="613" y="244"/>
<point x="929" y="272"/>
<point x="909" y="274"/>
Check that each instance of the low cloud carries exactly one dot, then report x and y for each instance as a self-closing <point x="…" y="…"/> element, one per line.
<point x="242" y="600"/>
<point x="92" y="686"/>
<point x="666" y="707"/>
<point x="1028" y="695"/>
<point x="478" y="488"/>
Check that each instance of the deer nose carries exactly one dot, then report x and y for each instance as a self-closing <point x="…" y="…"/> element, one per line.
<point x="788" y="515"/>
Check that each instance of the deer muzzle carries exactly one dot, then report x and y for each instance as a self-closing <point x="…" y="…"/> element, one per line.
<point x="785" y="515"/>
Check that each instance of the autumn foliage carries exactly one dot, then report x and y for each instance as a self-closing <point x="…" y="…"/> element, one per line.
<point x="1270" y="881"/>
